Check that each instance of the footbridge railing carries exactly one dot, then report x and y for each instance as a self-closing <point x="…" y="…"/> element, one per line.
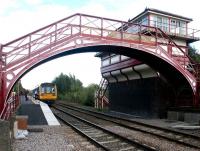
<point x="81" y="30"/>
<point x="101" y="100"/>
<point x="9" y="107"/>
<point x="54" y="35"/>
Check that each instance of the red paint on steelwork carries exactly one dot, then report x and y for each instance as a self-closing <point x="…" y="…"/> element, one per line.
<point x="120" y="65"/>
<point x="77" y="31"/>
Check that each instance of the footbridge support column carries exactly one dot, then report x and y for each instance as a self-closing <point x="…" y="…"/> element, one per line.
<point x="2" y="82"/>
<point x="197" y="96"/>
<point x="196" y="101"/>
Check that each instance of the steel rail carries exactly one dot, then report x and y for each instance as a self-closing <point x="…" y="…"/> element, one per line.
<point x="80" y="132"/>
<point x="129" y="141"/>
<point x="99" y="116"/>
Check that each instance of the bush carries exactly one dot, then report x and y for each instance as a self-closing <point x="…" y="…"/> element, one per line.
<point x="71" y="89"/>
<point x="90" y="95"/>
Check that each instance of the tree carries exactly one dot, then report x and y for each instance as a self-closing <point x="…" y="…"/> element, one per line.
<point x="193" y="53"/>
<point x="68" y="87"/>
<point x="71" y="89"/>
<point x="63" y="83"/>
<point x="18" y="88"/>
<point x="90" y="94"/>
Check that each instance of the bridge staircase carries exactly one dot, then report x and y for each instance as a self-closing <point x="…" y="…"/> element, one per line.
<point x="196" y="100"/>
<point x="101" y="100"/>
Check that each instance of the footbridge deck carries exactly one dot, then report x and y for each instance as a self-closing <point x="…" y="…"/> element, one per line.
<point x="84" y="33"/>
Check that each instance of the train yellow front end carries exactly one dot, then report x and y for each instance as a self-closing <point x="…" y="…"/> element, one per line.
<point x="46" y="92"/>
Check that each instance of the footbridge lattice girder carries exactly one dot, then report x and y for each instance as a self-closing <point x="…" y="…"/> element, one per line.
<point x="78" y="31"/>
<point x="15" y="71"/>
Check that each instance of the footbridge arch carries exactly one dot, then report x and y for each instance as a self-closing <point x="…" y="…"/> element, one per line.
<point x="85" y="33"/>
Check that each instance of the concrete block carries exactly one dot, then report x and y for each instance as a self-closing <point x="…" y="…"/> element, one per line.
<point x="4" y="146"/>
<point x="192" y="117"/>
<point x="5" y="140"/>
<point x="15" y="129"/>
<point x="22" y="121"/>
<point x="172" y="115"/>
<point x="180" y="116"/>
<point x="4" y="128"/>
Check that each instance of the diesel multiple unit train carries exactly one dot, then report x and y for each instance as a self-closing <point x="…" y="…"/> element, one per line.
<point x="46" y="92"/>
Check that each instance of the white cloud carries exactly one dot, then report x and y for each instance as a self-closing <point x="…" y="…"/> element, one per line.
<point x="21" y="22"/>
<point x="84" y="66"/>
<point x="6" y="4"/>
<point x="18" y="21"/>
<point x="33" y="2"/>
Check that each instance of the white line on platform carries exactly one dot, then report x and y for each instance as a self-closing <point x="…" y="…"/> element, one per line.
<point x="51" y="119"/>
<point x="34" y="100"/>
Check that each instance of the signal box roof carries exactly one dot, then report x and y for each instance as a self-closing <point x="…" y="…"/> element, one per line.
<point x="160" y="12"/>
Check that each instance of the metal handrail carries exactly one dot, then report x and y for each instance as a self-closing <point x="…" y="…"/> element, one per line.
<point x="9" y="107"/>
<point x="172" y="29"/>
<point x="27" y="41"/>
<point x="100" y="93"/>
<point x="41" y="41"/>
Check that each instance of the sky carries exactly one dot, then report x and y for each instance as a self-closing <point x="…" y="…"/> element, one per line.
<point x="19" y="17"/>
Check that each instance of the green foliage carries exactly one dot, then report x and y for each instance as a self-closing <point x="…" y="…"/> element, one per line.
<point x="18" y="88"/>
<point x="72" y="90"/>
<point x="63" y="83"/>
<point x="89" y="94"/>
<point x="194" y="54"/>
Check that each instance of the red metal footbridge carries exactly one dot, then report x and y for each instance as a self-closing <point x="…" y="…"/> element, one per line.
<point x="82" y="31"/>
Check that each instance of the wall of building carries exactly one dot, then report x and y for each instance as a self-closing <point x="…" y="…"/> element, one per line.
<point x="147" y="97"/>
<point x="5" y="140"/>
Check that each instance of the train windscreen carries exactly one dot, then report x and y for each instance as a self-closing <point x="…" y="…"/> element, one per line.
<point x="48" y="88"/>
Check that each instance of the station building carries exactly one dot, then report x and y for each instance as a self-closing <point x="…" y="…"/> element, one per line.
<point x="137" y="88"/>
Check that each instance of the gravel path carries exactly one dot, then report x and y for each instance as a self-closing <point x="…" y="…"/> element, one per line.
<point x="158" y="122"/>
<point x="54" y="138"/>
<point x="159" y="144"/>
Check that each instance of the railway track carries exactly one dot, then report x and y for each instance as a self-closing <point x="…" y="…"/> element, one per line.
<point x="164" y="133"/>
<point x="98" y="135"/>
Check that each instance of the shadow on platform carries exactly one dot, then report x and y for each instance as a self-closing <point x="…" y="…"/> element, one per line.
<point x="33" y="111"/>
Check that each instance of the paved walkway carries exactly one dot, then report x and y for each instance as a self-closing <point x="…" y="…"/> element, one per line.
<point x="38" y="112"/>
<point x="34" y="112"/>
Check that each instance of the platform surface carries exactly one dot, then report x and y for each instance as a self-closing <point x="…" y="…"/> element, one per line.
<point x="34" y="112"/>
<point x="38" y="112"/>
<point x="51" y="119"/>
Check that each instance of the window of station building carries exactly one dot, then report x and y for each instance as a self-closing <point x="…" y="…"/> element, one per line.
<point x="124" y="57"/>
<point x="105" y="62"/>
<point x="173" y="26"/>
<point x="165" y="24"/>
<point x="145" y="20"/>
<point x="160" y="22"/>
<point x="182" y="28"/>
<point x="178" y="27"/>
<point x="105" y="56"/>
<point x="133" y="29"/>
<point x="115" y="59"/>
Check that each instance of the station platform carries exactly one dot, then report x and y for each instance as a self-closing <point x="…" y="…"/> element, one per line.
<point x="38" y="112"/>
